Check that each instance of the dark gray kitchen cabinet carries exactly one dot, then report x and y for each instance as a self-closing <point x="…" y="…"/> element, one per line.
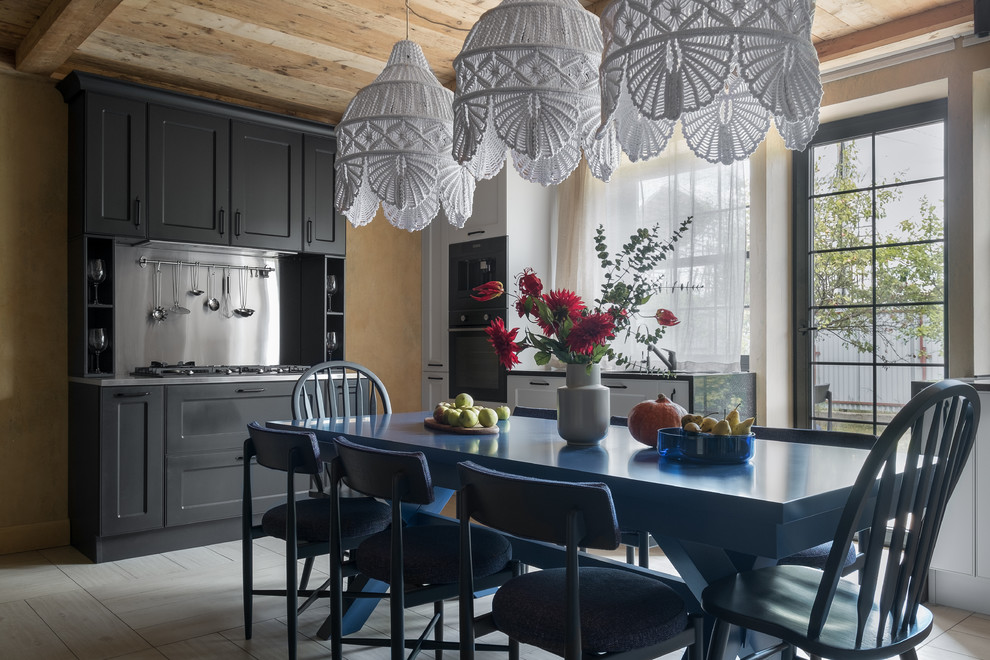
<point x="131" y="459"/>
<point x="206" y="426"/>
<point x="108" y="167"/>
<point x="323" y="228"/>
<point x="266" y="180"/>
<point x="188" y="176"/>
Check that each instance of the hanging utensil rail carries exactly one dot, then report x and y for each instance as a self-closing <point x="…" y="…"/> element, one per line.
<point x="261" y="270"/>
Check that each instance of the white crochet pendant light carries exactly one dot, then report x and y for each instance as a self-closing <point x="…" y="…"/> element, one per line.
<point x="721" y="67"/>
<point x="394" y="148"/>
<point x="527" y="81"/>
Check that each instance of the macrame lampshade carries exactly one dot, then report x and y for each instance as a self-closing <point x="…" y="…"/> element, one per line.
<point x="394" y="148"/>
<point x="721" y="67"/>
<point x="527" y="81"/>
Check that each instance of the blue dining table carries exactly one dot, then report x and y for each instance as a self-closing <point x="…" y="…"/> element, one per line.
<point x="709" y="520"/>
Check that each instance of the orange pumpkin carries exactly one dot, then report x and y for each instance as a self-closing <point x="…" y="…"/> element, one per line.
<point x="648" y="417"/>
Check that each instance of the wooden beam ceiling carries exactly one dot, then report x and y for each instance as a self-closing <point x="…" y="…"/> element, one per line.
<point x="59" y="32"/>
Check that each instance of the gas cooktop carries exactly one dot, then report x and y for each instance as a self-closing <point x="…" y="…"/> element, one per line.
<point x="163" y="370"/>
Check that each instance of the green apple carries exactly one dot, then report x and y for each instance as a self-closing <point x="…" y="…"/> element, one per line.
<point x="463" y="400"/>
<point x="440" y="414"/>
<point x="487" y="417"/>
<point x="453" y="417"/>
<point x="468" y="418"/>
<point x="502" y="412"/>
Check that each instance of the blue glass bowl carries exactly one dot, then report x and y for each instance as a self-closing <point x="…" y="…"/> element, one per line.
<point x="680" y="445"/>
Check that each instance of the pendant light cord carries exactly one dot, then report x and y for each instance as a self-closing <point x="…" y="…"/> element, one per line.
<point x="407" y="20"/>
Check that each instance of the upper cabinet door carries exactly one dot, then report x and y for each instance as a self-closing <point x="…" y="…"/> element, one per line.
<point x="323" y="227"/>
<point x="115" y="200"/>
<point x="189" y="176"/>
<point x="266" y="187"/>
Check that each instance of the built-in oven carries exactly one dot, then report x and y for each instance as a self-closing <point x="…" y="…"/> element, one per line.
<point x="473" y="263"/>
<point x="474" y="367"/>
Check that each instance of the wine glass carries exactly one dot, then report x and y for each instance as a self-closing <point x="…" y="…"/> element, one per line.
<point x="332" y="344"/>
<point x="331" y="288"/>
<point x="97" y="272"/>
<point x="98" y="342"/>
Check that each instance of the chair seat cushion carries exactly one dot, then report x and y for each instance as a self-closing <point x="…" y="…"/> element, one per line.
<point x="359" y="516"/>
<point x="815" y="557"/>
<point x="430" y="554"/>
<point x="777" y="600"/>
<point x="620" y="611"/>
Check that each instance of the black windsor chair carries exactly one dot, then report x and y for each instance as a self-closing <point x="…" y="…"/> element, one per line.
<point x="420" y="563"/>
<point x="900" y="493"/>
<point x="313" y="395"/>
<point x="816" y="556"/>
<point x="304" y="524"/>
<point x="573" y="612"/>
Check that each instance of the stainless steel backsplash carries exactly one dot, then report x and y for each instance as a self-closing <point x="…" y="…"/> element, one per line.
<point x="203" y="336"/>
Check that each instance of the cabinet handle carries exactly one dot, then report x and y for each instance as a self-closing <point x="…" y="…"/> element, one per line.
<point x="222" y="223"/>
<point x="249" y="390"/>
<point x="539" y="382"/>
<point x="620" y="386"/>
<point x="434" y="378"/>
<point x="477" y="231"/>
<point x="237" y="223"/>
<point x="434" y="364"/>
<point x="137" y="211"/>
<point x="309" y="230"/>
<point x="130" y="395"/>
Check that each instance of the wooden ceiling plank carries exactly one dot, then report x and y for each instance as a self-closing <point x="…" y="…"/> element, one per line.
<point x="901" y="29"/>
<point x="59" y="32"/>
<point x="236" y="80"/>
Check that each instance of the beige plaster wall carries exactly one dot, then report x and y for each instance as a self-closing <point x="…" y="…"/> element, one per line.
<point x="383" y="307"/>
<point x="33" y="388"/>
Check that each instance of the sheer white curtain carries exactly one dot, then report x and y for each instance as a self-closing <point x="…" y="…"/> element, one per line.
<point x="667" y="190"/>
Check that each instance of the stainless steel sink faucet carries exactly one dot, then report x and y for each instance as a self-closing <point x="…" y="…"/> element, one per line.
<point x="670" y="360"/>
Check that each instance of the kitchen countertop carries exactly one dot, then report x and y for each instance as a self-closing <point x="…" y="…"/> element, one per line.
<point x="618" y="373"/>
<point x="126" y="381"/>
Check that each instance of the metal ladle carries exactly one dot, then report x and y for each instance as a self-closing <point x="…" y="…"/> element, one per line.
<point x="195" y="290"/>
<point x="176" y="275"/>
<point x="211" y="302"/>
<point x="158" y="312"/>
<point x="242" y="281"/>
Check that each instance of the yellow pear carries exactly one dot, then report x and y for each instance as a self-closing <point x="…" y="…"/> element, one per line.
<point x="722" y="428"/>
<point x="743" y="427"/>
<point x="691" y="426"/>
<point x="733" y="417"/>
<point x="707" y="424"/>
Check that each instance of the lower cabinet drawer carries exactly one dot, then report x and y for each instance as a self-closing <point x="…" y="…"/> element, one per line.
<point x="209" y="486"/>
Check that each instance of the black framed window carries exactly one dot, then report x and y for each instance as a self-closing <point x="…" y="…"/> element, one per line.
<point x="870" y="263"/>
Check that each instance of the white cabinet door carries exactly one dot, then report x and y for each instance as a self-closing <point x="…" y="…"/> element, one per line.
<point x="435" y="279"/>
<point x="488" y="211"/>
<point x="533" y="391"/>
<point x="627" y="392"/>
<point x="435" y="389"/>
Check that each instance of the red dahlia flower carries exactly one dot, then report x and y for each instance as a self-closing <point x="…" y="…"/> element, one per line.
<point x="488" y="291"/>
<point x="666" y="317"/>
<point x="563" y="305"/>
<point x="529" y="283"/>
<point x="504" y="342"/>
<point x="594" y="329"/>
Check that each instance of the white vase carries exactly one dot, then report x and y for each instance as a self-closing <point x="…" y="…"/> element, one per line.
<point x="582" y="406"/>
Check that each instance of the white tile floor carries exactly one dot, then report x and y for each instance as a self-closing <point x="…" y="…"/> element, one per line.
<point x="186" y="605"/>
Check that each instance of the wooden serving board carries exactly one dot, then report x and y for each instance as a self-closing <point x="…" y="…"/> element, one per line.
<point x="431" y="423"/>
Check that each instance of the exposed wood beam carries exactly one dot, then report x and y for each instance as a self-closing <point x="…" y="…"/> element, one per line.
<point x="901" y="29"/>
<point x="60" y="30"/>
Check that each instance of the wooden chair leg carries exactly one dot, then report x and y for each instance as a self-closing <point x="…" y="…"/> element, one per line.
<point x="438" y="629"/>
<point x="307" y="571"/>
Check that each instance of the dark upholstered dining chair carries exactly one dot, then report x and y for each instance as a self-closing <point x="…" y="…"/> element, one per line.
<point x="900" y="493"/>
<point x="816" y="556"/>
<point x="304" y="524"/>
<point x="313" y="396"/>
<point x="575" y="612"/>
<point x="633" y="541"/>
<point x="420" y="563"/>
